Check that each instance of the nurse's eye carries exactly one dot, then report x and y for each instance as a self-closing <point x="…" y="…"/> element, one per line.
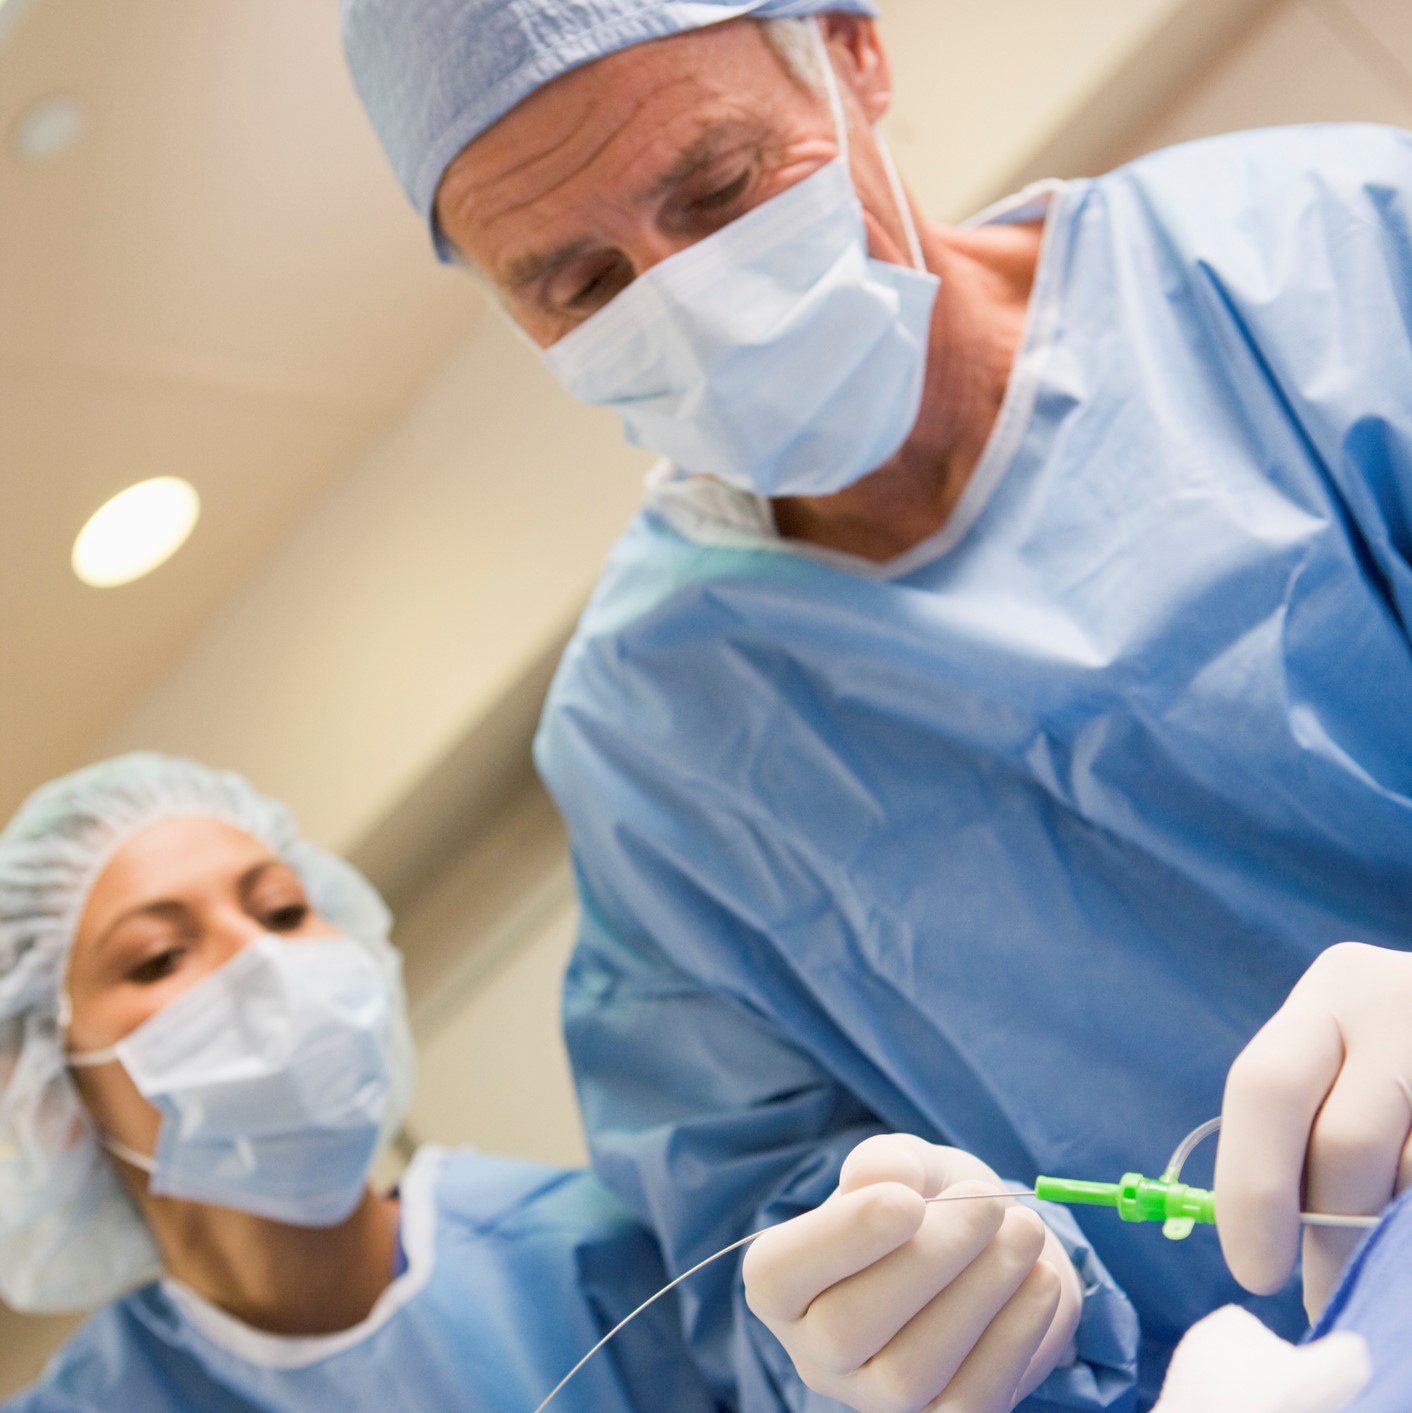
<point x="157" y="967"/>
<point x="289" y="918"/>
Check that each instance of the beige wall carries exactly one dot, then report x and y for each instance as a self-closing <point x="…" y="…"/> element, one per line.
<point x="25" y="1347"/>
<point x="1308" y="61"/>
<point x="991" y="93"/>
<point x="417" y="589"/>
<point x="494" y="1072"/>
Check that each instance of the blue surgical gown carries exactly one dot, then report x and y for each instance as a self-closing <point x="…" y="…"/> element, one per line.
<point x="1374" y="1301"/>
<point x="1015" y="842"/>
<point x="514" y="1271"/>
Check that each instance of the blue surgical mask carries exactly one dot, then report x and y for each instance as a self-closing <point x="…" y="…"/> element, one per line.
<point x="272" y="1076"/>
<point x="776" y="355"/>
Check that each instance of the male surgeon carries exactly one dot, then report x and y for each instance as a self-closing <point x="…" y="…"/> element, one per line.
<point x="1000" y="706"/>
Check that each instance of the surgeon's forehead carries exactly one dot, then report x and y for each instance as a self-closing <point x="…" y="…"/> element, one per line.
<point x="617" y="126"/>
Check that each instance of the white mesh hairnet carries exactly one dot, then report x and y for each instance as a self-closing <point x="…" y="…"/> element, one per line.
<point x="70" y="1238"/>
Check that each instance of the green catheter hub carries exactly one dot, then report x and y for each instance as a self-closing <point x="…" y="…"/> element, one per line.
<point x="1137" y="1199"/>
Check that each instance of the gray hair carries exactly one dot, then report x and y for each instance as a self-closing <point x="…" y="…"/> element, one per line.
<point x="797" y="48"/>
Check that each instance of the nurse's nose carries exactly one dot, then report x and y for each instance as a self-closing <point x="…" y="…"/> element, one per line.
<point x="229" y="933"/>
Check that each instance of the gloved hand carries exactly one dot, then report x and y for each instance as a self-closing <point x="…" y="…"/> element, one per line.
<point x="1230" y="1363"/>
<point x="1317" y="1115"/>
<point x="889" y="1306"/>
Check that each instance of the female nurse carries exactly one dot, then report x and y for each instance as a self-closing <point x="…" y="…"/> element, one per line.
<point x="203" y="1046"/>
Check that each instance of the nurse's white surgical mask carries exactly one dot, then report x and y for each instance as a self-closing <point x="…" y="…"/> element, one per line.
<point x="776" y="355"/>
<point x="272" y="1076"/>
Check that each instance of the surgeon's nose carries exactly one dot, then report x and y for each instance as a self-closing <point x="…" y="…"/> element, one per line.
<point x="652" y="246"/>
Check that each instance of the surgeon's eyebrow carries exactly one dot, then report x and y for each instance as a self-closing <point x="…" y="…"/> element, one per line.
<point x="529" y="269"/>
<point x="707" y="147"/>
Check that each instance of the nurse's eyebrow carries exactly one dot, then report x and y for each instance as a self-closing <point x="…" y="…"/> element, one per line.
<point x="247" y="881"/>
<point x="167" y="908"/>
<point x="173" y="909"/>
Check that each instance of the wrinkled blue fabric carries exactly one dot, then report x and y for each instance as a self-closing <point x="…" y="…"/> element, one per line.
<point x="435" y="74"/>
<point x="1374" y="1301"/>
<point x="532" y="1266"/>
<point x="1017" y="844"/>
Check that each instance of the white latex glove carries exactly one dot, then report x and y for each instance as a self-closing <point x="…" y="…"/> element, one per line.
<point x="1317" y="1115"/>
<point x="1230" y="1363"/>
<point x="891" y="1306"/>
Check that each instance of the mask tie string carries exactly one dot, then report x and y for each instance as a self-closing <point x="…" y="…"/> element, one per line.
<point x="894" y="177"/>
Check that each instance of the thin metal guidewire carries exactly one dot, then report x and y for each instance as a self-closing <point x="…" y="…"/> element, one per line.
<point x="1313" y="1219"/>
<point x="701" y="1266"/>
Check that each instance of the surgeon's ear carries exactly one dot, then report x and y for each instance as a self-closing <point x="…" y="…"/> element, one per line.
<point x="861" y="59"/>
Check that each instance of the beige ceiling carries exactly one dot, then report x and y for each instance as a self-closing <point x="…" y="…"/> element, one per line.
<point x="220" y="281"/>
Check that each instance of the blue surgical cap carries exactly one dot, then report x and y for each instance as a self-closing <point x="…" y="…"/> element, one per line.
<point x="435" y="74"/>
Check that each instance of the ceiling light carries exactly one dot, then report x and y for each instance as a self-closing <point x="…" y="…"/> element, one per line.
<point x="136" y="532"/>
<point x="48" y="129"/>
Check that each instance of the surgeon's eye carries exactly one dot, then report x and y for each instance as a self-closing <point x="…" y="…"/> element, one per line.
<point x="158" y="967"/>
<point x="723" y="198"/>
<point x="582" y="291"/>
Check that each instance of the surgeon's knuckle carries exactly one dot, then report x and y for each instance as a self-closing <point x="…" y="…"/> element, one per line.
<point x="761" y="1274"/>
<point x="890" y="1212"/>
<point x="977" y="1220"/>
<point x="1343" y="1143"/>
<point x="882" y="1147"/>
<point x="980" y="1228"/>
<point x="975" y="1187"/>
<point x="886" y="1157"/>
<point x="1342" y="959"/>
<point x="1242" y="1211"/>
<point x="1260" y="1275"/>
<point x="899" y="1386"/>
<point x="836" y="1338"/>
<point x="1039" y="1292"/>
<point x="1021" y="1237"/>
<point x="1067" y="1311"/>
<point x="1259" y="1078"/>
<point x="818" y="1380"/>
<point x="1030" y="1311"/>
